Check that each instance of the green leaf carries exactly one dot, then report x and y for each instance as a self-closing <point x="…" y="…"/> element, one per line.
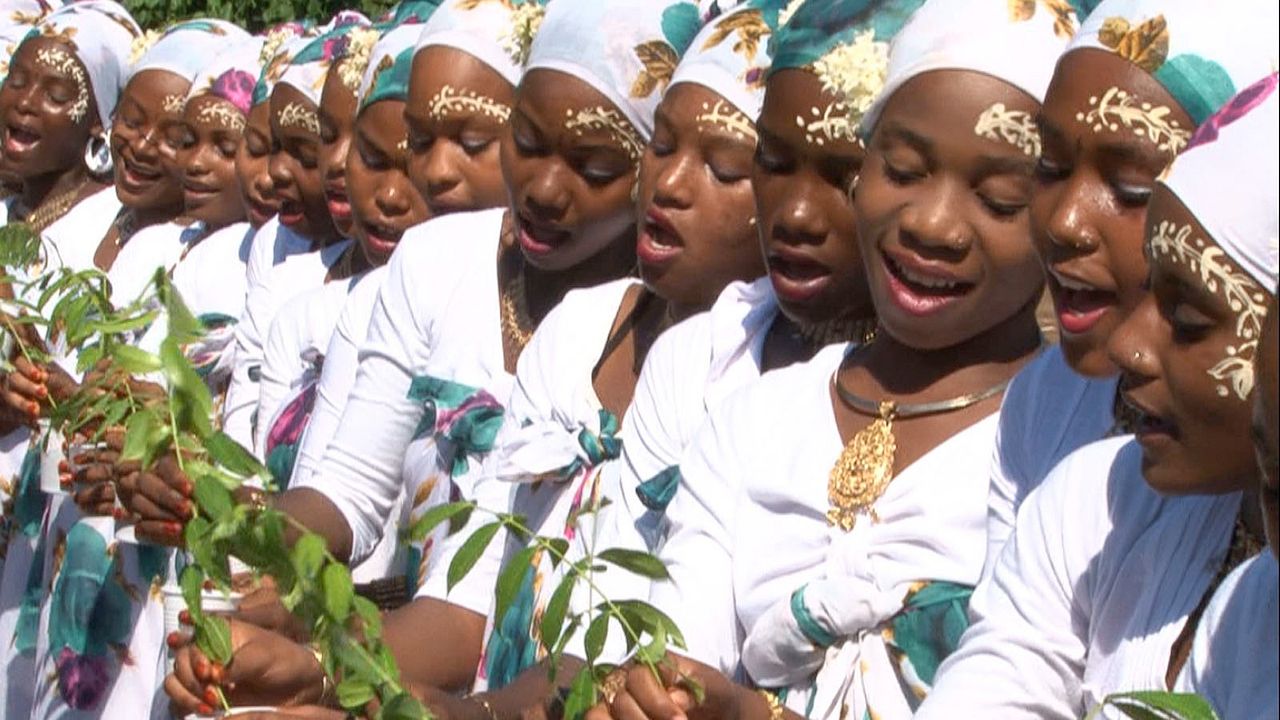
<point x="1158" y="705"/>
<point x="424" y="525"/>
<point x="188" y="395"/>
<point x="232" y="456"/>
<point x="338" y="591"/>
<point x="138" y="434"/>
<point x="191" y="581"/>
<point x="640" y="563"/>
<point x="553" y="614"/>
<point x="308" y="555"/>
<point x="369" y="615"/>
<point x="582" y="694"/>
<point x="512" y="578"/>
<point x="597" y="633"/>
<point x="355" y="694"/>
<point x="213" y="637"/>
<point x="402" y="707"/>
<point x="470" y="553"/>
<point x="214" y="500"/>
<point x="559" y="548"/>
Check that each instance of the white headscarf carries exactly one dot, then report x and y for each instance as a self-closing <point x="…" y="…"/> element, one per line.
<point x="489" y="32"/>
<point x="188" y="47"/>
<point x="730" y="57"/>
<point x="310" y="65"/>
<point x="981" y="36"/>
<point x="232" y="74"/>
<point x="99" y="33"/>
<point x="624" y="49"/>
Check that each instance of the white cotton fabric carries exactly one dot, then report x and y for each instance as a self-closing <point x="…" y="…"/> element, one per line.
<point x="482" y="31"/>
<point x="1234" y="660"/>
<point x="302" y="326"/>
<point x="975" y="36"/>
<point x="594" y="41"/>
<point x="1088" y="595"/>
<point x="1049" y="412"/>
<point x="189" y="46"/>
<point x="244" y="56"/>
<point x="729" y="579"/>
<point x="272" y="243"/>
<point x="437" y="314"/>
<point x="1243" y="215"/>
<point x="294" y="275"/>
<point x="150" y="249"/>
<point x="338" y="376"/>
<point x="721" y="68"/>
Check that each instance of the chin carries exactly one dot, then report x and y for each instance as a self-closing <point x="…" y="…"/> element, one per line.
<point x="1175" y="476"/>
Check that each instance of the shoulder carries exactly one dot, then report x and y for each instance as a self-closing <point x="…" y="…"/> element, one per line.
<point x="459" y="234"/>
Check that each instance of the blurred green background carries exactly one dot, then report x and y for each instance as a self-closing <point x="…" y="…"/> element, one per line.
<point x="251" y="14"/>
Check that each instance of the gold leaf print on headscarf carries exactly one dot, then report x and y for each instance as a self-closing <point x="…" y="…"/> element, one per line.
<point x="1146" y="45"/>
<point x="750" y="27"/>
<point x="659" y="60"/>
<point x="1064" y="17"/>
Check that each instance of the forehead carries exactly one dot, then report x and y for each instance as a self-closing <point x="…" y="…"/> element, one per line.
<point x="1179" y="248"/>
<point x="30" y="52"/>
<point x="436" y="66"/>
<point x="548" y="96"/>
<point x="382" y="120"/>
<point x="797" y="110"/>
<point x="151" y="88"/>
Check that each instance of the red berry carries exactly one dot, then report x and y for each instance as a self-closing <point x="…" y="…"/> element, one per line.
<point x="184" y="617"/>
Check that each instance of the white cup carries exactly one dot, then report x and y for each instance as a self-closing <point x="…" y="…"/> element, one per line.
<point x="51" y="458"/>
<point x="233" y="712"/>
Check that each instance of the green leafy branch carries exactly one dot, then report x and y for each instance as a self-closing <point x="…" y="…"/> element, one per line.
<point x="647" y="631"/>
<point x="1157" y="705"/>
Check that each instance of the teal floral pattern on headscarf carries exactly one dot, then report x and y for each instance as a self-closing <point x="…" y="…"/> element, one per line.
<point x="817" y="28"/>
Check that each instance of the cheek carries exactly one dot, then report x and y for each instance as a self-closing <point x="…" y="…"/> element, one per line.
<point x="1219" y="417"/>
<point x="1122" y="235"/>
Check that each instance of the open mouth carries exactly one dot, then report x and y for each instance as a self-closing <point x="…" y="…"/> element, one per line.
<point x="658" y="240"/>
<point x="539" y="239"/>
<point x="796" y="278"/>
<point x="1080" y="305"/>
<point x="921" y="290"/>
<point x="338" y="202"/>
<point x="137" y="176"/>
<point x="382" y="239"/>
<point x="291" y="212"/>
<point x="19" y="139"/>
<point x="1147" y="426"/>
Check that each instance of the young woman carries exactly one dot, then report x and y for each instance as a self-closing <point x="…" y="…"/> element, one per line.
<point x="1094" y="181"/>
<point x="58" y="98"/>
<point x="310" y="245"/>
<point x="152" y="180"/>
<point x="873" y="492"/>
<point x="383" y="205"/>
<point x="1101" y="586"/>
<point x="1233" y="657"/>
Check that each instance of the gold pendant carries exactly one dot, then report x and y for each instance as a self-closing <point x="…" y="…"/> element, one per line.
<point x="863" y="471"/>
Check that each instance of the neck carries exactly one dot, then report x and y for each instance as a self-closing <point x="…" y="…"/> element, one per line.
<point x="973" y="365"/>
<point x="37" y="190"/>
<point x="146" y="217"/>
<point x="545" y="289"/>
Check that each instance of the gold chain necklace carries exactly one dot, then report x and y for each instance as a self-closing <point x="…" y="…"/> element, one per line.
<point x="52" y="209"/>
<point x="865" y="467"/>
<point x="821" y="334"/>
<point x="517" y="323"/>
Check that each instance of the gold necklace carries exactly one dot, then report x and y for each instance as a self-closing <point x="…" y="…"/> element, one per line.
<point x="865" y="467"/>
<point x="517" y="324"/>
<point x="829" y="332"/>
<point x="52" y="209"/>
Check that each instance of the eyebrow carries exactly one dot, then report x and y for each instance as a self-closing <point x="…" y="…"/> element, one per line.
<point x="989" y="165"/>
<point x="911" y="137"/>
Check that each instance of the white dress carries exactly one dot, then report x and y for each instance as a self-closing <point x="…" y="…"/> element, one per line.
<point x="151" y="248"/>
<point x="272" y="243"/>
<point x="294" y="275"/>
<point x="71" y="241"/>
<point x="748" y="529"/>
<point x="436" y="317"/>
<point x="1089" y="594"/>
<point x="1233" y="662"/>
<point x="1049" y="411"/>
<point x="550" y="459"/>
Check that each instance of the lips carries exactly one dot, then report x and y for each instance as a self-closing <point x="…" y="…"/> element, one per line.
<point x="796" y="277"/>
<point x="658" y="241"/>
<point x="339" y="204"/>
<point x="1080" y="304"/>
<point x="135" y="177"/>
<point x="260" y="211"/>
<point x="20" y="139"/>
<point x="197" y="192"/>
<point x="291" y="213"/>
<point x="920" y="287"/>
<point x="538" y="239"/>
<point x="1149" y="427"/>
<point x="382" y="239"/>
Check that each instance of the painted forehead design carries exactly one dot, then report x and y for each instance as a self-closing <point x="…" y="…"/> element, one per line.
<point x="727" y="117"/>
<point x="611" y="122"/>
<point x="1119" y="111"/>
<point x="1246" y="298"/>
<point x="62" y="61"/>
<point x="1016" y="127"/>
<point x="221" y="113"/>
<point x="451" y="101"/>
<point x="295" y="114"/>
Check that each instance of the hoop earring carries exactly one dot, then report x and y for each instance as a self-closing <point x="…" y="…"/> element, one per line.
<point x="97" y="155"/>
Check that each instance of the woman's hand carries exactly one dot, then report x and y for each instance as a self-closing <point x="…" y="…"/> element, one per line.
<point x="93" y="484"/>
<point x="160" y="500"/>
<point x="24" y="390"/>
<point x="266" y="669"/>
<point x="635" y="693"/>
<point x="261" y="606"/>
